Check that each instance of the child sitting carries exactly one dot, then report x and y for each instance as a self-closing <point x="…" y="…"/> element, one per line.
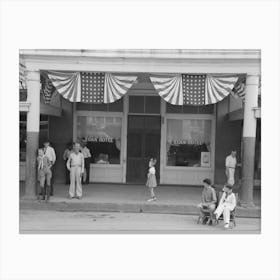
<point x="151" y="179"/>
<point x="44" y="174"/>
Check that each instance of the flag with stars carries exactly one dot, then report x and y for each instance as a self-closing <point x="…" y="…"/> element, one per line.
<point x="91" y="87"/>
<point x="92" y="84"/>
<point x="193" y="89"/>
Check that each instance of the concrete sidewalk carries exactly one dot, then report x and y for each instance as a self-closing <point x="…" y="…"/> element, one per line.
<point x="130" y="198"/>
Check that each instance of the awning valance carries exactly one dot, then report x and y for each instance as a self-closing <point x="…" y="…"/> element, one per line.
<point x="194" y="89"/>
<point x="177" y="89"/>
<point x="91" y="87"/>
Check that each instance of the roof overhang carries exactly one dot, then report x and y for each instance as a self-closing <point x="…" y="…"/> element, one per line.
<point x="144" y="60"/>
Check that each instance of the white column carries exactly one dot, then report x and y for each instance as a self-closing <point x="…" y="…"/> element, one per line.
<point x="32" y="131"/>
<point x="249" y="140"/>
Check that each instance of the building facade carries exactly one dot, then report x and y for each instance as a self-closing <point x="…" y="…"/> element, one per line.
<point x="190" y="142"/>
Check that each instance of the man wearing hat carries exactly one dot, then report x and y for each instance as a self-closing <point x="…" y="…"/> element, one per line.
<point x="226" y="205"/>
<point x="50" y="153"/>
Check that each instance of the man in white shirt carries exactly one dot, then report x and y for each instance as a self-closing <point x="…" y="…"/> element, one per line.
<point x="230" y="167"/>
<point x="50" y="153"/>
<point x="76" y="165"/>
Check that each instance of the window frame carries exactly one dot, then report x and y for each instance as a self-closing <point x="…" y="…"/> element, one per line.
<point x="101" y="114"/>
<point x="176" y="116"/>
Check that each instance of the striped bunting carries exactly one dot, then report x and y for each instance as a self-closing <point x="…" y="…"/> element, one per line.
<point x="116" y="86"/>
<point x="217" y="87"/>
<point x="47" y="88"/>
<point x="193" y="89"/>
<point x="169" y="87"/>
<point x="91" y="87"/>
<point x="239" y="88"/>
<point x="68" y="84"/>
<point x="22" y="76"/>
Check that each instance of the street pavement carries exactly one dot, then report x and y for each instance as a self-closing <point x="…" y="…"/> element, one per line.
<point x="114" y="222"/>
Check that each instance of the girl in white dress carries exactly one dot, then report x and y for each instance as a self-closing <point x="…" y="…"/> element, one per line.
<point x="151" y="179"/>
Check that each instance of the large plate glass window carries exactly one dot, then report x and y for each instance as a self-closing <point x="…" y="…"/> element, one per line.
<point x="103" y="135"/>
<point x="188" y="142"/>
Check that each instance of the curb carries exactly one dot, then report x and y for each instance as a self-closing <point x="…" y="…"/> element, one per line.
<point x="128" y="208"/>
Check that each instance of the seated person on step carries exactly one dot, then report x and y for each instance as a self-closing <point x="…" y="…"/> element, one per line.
<point x="209" y="200"/>
<point x="227" y="204"/>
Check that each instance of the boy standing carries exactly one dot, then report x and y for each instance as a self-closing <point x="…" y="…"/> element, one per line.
<point x="226" y="205"/>
<point x="208" y="201"/>
<point x="50" y="153"/>
<point x="76" y="166"/>
<point x="44" y="174"/>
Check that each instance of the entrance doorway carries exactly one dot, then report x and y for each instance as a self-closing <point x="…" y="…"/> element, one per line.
<point x="143" y="142"/>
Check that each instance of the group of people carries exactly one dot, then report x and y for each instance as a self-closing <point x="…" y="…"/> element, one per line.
<point x="227" y="203"/>
<point x="77" y="164"/>
<point x="210" y="204"/>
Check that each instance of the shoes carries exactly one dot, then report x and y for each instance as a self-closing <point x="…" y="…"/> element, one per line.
<point x="205" y="220"/>
<point x="226" y="226"/>
<point x="210" y="222"/>
<point x="78" y="197"/>
<point x="152" y="199"/>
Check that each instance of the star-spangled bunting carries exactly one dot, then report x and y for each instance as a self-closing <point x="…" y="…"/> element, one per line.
<point x="193" y="89"/>
<point x="92" y="87"/>
<point x="178" y="89"/>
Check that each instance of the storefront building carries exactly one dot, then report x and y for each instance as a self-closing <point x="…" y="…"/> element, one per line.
<point x="190" y="142"/>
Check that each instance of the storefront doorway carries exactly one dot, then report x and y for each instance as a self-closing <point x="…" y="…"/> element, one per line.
<point x="143" y="142"/>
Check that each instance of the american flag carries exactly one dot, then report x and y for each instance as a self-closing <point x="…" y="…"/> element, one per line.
<point x="92" y="84"/>
<point x="91" y="87"/>
<point x="47" y="88"/>
<point x="239" y="88"/>
<point x="193" y="89"/>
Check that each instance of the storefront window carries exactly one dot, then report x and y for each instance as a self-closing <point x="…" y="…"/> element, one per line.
<point x="103" y="135"/>
<point x="188" y="142"/>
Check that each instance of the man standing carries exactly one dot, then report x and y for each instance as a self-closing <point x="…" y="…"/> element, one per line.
<point x="230" y="167"/>
<point x="87" y="156"/>
<point x="209" y="200"/>
<point x="76" y="166"/>
<point x="50" y="153"/>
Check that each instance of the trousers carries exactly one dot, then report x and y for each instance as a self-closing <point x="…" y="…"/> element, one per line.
<point x="230" y="176"/>
<point x="224" y="209"/>
<point x="75" y="182"/>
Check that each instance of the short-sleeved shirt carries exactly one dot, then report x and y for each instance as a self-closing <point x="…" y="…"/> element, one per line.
<point x="209" y="195"/>
<point x="230" y="161"/>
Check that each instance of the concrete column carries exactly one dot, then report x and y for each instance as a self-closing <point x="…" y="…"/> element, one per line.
<point x="249" y="140"/>
<point x="32" y="132"/>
